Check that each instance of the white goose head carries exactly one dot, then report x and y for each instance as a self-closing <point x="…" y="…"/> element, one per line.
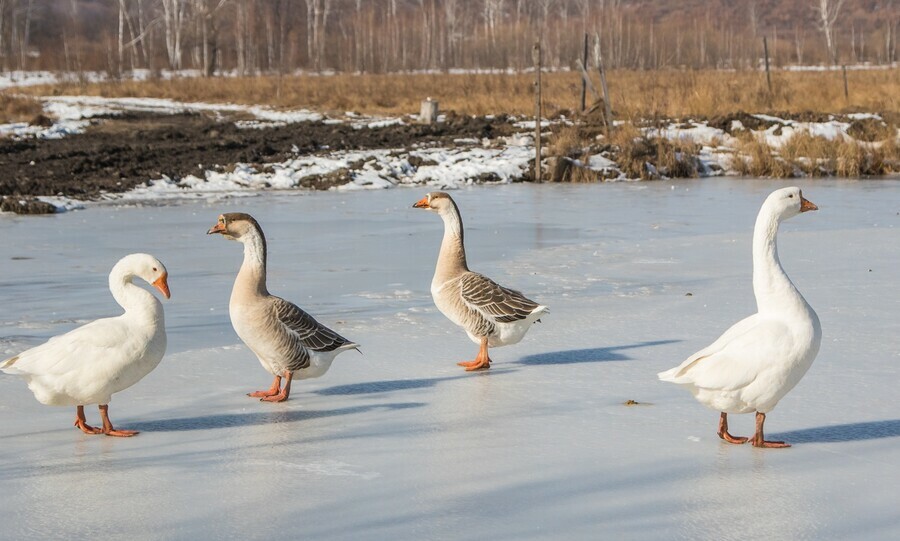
<point x="787" y="203"/>
<point x="144" y="266"/>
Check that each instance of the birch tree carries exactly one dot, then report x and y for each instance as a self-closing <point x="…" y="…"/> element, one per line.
<point x="827" y="12"/>
<point x="173" y="19"/>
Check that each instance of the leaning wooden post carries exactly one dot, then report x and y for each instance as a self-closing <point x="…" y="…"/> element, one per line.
<point x="586" y="80"/>
<point x="536" y="56"/>
<point x="584" y="60"/>
<point x="598" y="56"/>
<point x="846" y="87"/>
<point x="766" y="51"/>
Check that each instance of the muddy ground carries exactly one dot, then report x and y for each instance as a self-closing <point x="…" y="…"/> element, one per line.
<point x="117" y="153"/>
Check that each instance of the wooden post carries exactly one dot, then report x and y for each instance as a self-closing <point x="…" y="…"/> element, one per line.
<point x="584" y="82"/>
<point x="598" y="56"/>
<point x="846" y="87"/>
<point x="766" y="51"/>
<point x="428" y="111"/>
<point x="536" y="57"/>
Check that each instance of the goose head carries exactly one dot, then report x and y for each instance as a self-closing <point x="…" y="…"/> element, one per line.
<point x="145" y="267"/>
<point x="788" y="202"/>
<point x="235" y="226"/>
<point x="439" y="202"/>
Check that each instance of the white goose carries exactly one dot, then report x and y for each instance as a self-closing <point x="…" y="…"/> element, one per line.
<point x="491" y="314"/>
<point x="287" y="341"/>
<point x="759" y="359"/>
<point x="89" y="364"/>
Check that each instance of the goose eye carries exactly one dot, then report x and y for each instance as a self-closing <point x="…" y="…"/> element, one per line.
<point x="791" y="196"/>
<point x="154" y="269"/>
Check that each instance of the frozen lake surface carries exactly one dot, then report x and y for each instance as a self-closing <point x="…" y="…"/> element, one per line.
<point x="400" y="443"/>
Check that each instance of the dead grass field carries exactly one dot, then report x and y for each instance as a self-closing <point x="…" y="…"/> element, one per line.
<point x="18" y="109"/>
<point x="635" y="94"/>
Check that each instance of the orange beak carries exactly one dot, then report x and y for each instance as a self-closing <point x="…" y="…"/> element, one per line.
<point x="163" y="285"/>
<point x="806" y="204"/>
<point x="218" y="228"/>
<point x="422" y="204"/>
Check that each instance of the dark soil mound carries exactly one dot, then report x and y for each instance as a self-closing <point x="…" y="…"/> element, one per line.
<point x="27" y="205"/>
<point x="750" y="122"/>
<point x="118" y="153"/>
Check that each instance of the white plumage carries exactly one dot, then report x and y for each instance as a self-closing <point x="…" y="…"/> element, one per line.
<point x="756" y="362"/>
<point x="91" y="363"/>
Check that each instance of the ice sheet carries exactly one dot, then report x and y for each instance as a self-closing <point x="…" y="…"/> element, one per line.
<point x="400" y="443"/>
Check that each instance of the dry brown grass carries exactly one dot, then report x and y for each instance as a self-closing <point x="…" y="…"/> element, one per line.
<point x="635" y="94"/>
<point x="806" y="155"/>
<point x="566" y="141"/>
<point x="18" y="109"/>
<point x="755" y="158"/>
<point x="642" y="156"/>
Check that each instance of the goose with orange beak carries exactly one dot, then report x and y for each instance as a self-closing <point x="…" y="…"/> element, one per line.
<point x="761" y="358"/>
<point x="91" y="363"/>
<point x="491" y="314"/>
<point x="288" y="342"/>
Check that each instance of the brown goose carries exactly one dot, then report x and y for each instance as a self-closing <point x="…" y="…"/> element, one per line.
<point x="491" y="314"/>
<point x="287" y="340"/>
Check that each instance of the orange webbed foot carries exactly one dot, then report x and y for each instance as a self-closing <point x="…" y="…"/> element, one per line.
<point x="478" y="365"/>
<point x="264" y="394"/>
<point x="86" y="428"/>
<point x="763" y="444"/>
<point x="121" y="433"/>
<point x="271" y="391"/>
<point x="737" y="440"/>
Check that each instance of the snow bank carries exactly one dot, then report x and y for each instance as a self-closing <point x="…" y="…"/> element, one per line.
<point x="440" y="168"/>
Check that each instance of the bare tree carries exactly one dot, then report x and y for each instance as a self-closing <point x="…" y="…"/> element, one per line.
<point x="827" y="12"/>
<point x="173" y="18"/>
<point x="388" y="35"/>
<point x="206" y="16"/>
<point x="452" y="29"/>
<point x="753" y="18"/>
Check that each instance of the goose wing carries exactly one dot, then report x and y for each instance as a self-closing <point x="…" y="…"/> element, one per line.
<point x="81" y="347"/>
<point x="493" y="301"/>
<point x="737" y="358"/>
<point x="305" y="329"/>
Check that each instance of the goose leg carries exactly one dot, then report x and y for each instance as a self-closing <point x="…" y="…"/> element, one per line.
<point x="108" y="427"/>
<point x="723" y="431"/>
<point x="275" y="389"/>
<point x="285" y="393"/>
<point x="758" y="440"/>
<point x="482" y="360"/>
<point x="81" y="422"/>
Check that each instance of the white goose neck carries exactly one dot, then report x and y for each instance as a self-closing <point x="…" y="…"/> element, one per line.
<point x="253" y="269"/>
<point x="452" y="257"/>
<point x="771" y="285"/>
<point x="136" y="301"/>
